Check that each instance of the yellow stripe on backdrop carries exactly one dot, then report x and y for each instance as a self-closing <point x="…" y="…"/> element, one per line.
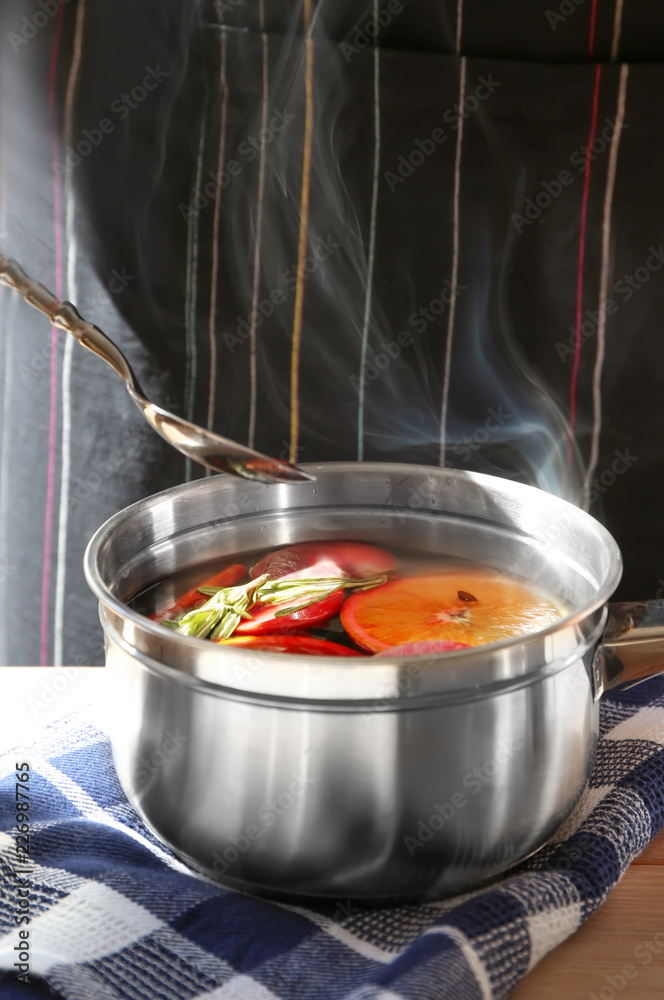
<point x="302" y="239"/>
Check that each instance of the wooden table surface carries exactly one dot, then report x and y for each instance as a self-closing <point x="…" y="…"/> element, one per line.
<point x="627" y="931"/>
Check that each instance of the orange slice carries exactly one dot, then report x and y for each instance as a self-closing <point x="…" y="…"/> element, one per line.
<point x="473" y="606"/>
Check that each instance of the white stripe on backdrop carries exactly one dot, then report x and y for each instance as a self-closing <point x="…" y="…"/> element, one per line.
<point x="605" y="269"/>
<point x="8" y="304"/>
<point x="191" y="287"/>
<point x="455" y="265"/>
<point x="372" y="246"/>
<point x="617" y="27"/>
<point x="257" y="251"/>
<point x="459" y="26"/>
<point x="221" y="160"/>
<point x="72" y="295"/>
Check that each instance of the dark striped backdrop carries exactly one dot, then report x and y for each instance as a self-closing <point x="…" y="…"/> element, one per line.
<point x="417" y="230"/>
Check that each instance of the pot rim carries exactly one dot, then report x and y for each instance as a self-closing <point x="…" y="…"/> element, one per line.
<point x="371" y="677"/>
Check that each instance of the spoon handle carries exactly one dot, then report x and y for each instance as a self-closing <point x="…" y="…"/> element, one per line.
<point x="66" y="317"/>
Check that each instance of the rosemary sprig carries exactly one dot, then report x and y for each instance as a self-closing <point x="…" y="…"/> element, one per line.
<point x="220" y="616"/>
<point x="307" y="604"/>
<point x="341" y="584"/>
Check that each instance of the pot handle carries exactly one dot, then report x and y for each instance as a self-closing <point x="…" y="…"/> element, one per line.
<point x="632" y="647"/>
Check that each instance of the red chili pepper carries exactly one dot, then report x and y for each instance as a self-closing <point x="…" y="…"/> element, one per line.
<point x="264" y="619"/>
<point x="351" y="559"/>
<point x="307" y="644"/>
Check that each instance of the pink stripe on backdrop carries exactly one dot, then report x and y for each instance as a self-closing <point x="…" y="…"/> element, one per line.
<point x="53" y="413"/>
<point x="579" y="270"/>
<point x="591" y="32"/>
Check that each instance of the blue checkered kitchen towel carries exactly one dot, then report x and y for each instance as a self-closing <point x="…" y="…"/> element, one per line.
<point x="113" y="914"/>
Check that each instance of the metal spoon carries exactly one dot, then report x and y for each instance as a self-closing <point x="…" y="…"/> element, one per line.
<point x="215" y="452"/>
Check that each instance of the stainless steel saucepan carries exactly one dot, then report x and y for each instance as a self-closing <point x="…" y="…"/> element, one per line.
<point x="367" y="777"/>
